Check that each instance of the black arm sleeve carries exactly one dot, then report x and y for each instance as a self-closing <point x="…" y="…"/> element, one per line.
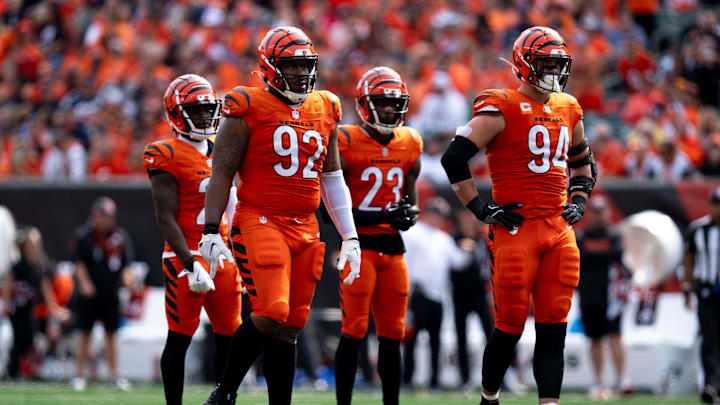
<point x="370" y="217"/>
<point x="456" y="157"/>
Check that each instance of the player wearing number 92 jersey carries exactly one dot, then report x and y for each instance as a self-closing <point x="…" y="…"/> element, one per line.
<point x="282" y="141"/>
<point x="532" y="135"/>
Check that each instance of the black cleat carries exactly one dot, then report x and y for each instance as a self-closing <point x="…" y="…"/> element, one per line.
<point x="484" y="401"/>
<point x="220" y="397"/>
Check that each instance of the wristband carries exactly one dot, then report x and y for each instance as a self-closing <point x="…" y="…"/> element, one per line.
<point x="189" y="263"/>
<point x="477" y="206"/>
<point x="579" y="200"/>
<point x="211" y="228"/>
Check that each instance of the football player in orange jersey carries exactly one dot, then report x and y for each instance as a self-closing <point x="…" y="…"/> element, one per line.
<point x="531" y="135"/>
<point x="179" y="170"/>
<point x="282" y="140"/>
<point x="380" y="160"/>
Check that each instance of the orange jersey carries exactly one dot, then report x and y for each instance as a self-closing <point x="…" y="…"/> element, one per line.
<point x="527" y="160"/>
<point x="287" y="147"/>
<point x="376" y="173"/>
<point x="192" y="171"/>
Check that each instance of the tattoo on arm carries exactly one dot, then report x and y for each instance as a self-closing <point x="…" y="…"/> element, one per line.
<point x="165" y="196"/>
<point x="228" y="154"/>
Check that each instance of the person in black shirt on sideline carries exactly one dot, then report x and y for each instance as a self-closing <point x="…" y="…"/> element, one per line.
<point x="102" y="252"/>
<point x="603" y="292"/>
<point x="470" y="288"/>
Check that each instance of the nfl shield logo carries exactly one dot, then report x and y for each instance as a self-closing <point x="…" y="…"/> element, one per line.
<point x="295" y="114"/>
<point x="209" y="162"/>
<point x="385" y="151"/>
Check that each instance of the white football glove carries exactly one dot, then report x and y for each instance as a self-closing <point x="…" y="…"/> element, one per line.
<point x="350" y="252"/>
<point x="212" y="247"/>
<point x="198" y="279"/>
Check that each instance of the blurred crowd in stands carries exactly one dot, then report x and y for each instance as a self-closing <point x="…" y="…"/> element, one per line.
<point x="81" y="81"/>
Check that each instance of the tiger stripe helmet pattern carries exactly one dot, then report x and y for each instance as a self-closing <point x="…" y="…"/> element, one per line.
<point x="285" y="44"/>
<point x="531" y="51"/>
<point x="192" y="107"/>
<point x="381" y="83"/>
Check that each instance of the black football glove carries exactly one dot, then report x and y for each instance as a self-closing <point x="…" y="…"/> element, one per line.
<point x="575" y="210"/>
<point x="491" y="213"/>
<point x="403" y="214"/>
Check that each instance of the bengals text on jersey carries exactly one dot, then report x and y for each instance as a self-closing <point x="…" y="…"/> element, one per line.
<point x="376" y="173"/>
<point x="286" y="149"/>
<point x="528" y="159"/>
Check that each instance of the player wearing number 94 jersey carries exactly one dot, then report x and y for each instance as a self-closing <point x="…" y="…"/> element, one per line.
<point x="531" y="135"/>
<point x="282" y="141"/>
<point x="380" y="162"/>
<point x="179" y="170"/>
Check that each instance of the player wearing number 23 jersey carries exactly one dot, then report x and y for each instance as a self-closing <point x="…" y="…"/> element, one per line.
<point x="282" y="142"/>
<point x="532" y="136"/>
<point x="380" y="159"/>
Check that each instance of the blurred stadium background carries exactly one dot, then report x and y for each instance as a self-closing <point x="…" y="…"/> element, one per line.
<point x="80" y="95"/>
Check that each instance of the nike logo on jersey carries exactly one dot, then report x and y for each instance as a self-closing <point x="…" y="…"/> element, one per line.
<point x="150" y="160"/>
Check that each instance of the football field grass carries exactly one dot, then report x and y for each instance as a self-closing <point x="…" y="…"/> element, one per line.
<point x="141" y="394"/>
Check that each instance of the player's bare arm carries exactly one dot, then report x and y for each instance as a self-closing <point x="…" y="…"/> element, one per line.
<point x="410" y="183"/>
<point x="165" y="196"/>
<point x="332" y="160"/>
<point x="230" y="145"/>
<point x="228" y="154"/>
<point x="467" y="142"/>
<point x="583" y="175"/>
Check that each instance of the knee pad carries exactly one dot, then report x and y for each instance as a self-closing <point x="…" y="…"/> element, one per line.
<point x="569" y="276"/>
<point x="511" y="287"/>
<point x="356" y="329"/>
<point x="277" y="311"/>
<point x="394" y="330"/>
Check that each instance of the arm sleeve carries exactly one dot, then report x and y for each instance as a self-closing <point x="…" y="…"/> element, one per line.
<point x="230" y="207"/>
<point x="336" y="196"/>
